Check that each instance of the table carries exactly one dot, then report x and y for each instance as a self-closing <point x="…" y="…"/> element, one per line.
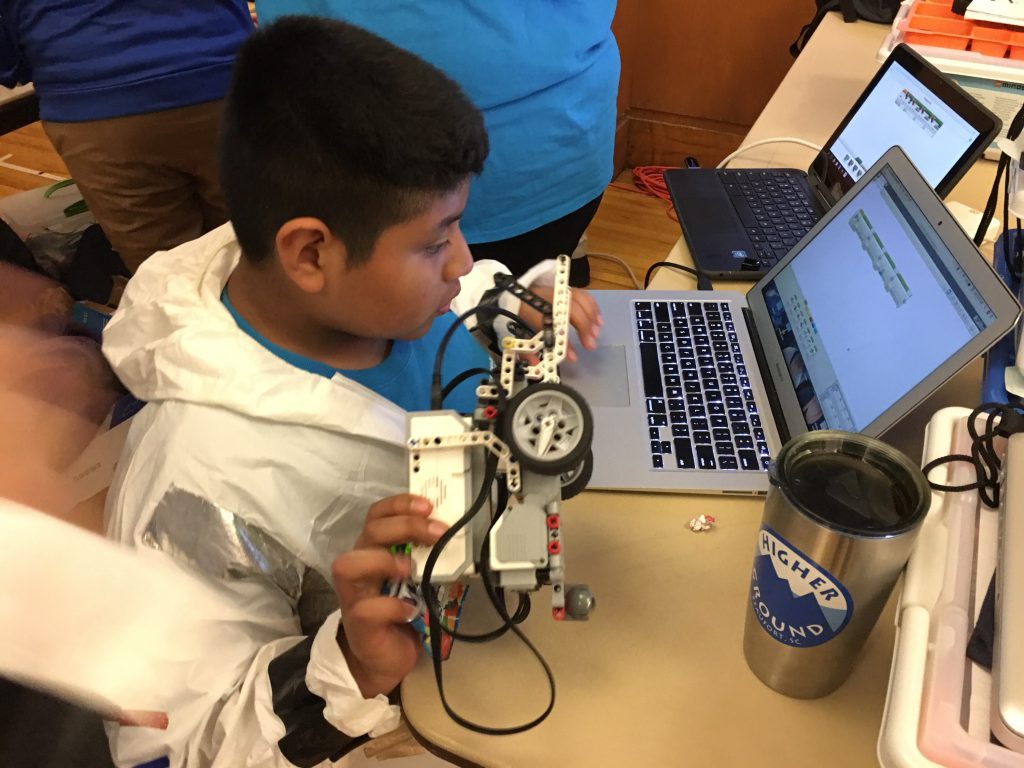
<point x="657" y="676"/>
<point x="18" y="107"/>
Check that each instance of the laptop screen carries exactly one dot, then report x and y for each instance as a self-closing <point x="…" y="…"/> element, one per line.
<point x="917" y="120"/>
<point x="872" y="305"/>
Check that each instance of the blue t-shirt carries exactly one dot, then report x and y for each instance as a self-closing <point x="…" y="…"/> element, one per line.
<point x="545" y="74"/>
<point x="403" y="377"/>
<point x="97" y="59"/>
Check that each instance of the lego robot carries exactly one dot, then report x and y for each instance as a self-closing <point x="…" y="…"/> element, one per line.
<point x="536" y="432"/>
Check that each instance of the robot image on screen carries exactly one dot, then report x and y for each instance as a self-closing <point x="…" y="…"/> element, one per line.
<point x="498" y="478"/>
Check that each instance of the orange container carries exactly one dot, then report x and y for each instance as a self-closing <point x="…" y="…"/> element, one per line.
<point x="990" y="49"/>
<point x="935" y="24"/>
<point x="936" y="41"/>
<point x="990" y="40"/>
<point x="1017" y="46"/>
<point x="937" y="32"/>
<point x="996" y="33"/>
<point x="941" y="10"/>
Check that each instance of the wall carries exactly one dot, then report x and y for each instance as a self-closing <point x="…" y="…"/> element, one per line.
<point x="695" y="75"/>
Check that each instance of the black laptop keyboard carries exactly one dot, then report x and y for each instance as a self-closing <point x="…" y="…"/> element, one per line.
<point x="701" y="412"/>
<point x="775" y="209"/>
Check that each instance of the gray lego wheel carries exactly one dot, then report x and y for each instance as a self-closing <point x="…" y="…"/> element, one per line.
<point x="549" y="428"/>
<point x="575" y="480"/>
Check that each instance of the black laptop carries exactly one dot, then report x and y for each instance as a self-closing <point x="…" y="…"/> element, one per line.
<point x="739" y="222"/>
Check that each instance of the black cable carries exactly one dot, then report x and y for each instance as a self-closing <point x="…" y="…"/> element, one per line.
<point x="429" y="593"/>
<point x="1011" y="248"/>
<point x="435" y="383"/>
<point x="496" y="595"/>
<point x="984" y="457"/>
<point x="523" y="607"/>
<point x="1013" y="252"/>
<point x="437" y="628"/>
<point x="451" y="385"/>
<point x="435" y="649"/>
<point x="703" y="281"/>
<point x="1014" y="130"/>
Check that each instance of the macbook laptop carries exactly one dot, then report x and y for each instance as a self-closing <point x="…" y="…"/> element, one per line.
<point x="739" y="223"/>
<point x="1007" y="712"/>
<point x="880" y="303"/>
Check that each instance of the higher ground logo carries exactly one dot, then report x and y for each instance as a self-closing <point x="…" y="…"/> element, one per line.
<point x="795" y="600"/>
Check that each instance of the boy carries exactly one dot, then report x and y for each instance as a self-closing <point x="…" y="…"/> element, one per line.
<point x="279" y="355"/>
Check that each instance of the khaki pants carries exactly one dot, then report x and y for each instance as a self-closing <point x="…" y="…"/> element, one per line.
<point x="150" y="180"/>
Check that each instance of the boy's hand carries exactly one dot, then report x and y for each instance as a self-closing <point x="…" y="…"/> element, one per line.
<point x="377" y="641"/>
<point x="584" y="316"/>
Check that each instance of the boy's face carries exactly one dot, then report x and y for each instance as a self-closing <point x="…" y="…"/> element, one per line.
<point x="410" y="278"/>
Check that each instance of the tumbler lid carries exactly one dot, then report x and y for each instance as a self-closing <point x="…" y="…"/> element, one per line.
<point x="852" y="483"/>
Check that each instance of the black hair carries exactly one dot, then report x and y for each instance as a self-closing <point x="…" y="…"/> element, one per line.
<point x="328" y="120"/>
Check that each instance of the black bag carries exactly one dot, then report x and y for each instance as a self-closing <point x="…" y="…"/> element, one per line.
<point x="14" y="251"/>
<point x="879" y="11"/>
<point x="91" y="274"/>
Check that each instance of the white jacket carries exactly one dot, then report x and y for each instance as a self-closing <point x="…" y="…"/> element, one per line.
<point x="251" y="472"/>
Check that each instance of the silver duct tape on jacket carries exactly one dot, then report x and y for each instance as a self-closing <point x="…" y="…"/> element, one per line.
<point x="218" y="543"/>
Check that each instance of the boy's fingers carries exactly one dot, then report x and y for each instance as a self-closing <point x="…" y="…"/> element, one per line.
<point x="401" y="505"/>
<point x="381" y="611"/>
<point x="585" y="305"/>
<point x="386" y="531"/>
<point x="586" y="319"/>
<point x="387" y="610"/>
<point x="359" y="574"/>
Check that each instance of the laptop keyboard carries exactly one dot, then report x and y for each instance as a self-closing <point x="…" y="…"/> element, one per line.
<point x="774" y="207"/>
<point x="701" y="412"/>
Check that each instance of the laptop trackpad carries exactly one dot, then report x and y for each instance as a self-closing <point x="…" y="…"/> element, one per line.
<point x="705" y="207"/>
<point x="715" y="215"/>
<point x="599" y="375"/>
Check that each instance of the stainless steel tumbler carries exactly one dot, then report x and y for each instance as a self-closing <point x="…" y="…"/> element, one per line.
<point x="840" y="519"/>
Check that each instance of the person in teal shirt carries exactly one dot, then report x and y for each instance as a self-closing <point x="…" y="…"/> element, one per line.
<point x="545" y="75"/>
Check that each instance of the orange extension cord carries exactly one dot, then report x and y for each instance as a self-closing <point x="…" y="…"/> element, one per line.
<point x="648" y="180"/>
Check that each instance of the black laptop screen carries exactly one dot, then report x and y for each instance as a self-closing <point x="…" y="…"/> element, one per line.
<point x="870" y="307"/>
<point x="901" y="111"/>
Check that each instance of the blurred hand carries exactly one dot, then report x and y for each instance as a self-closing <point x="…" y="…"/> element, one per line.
<point x="584" y="316"/>
<point x="54" y="393"/>
<point x="28" y="300"/>
<point x="377" y="641"/>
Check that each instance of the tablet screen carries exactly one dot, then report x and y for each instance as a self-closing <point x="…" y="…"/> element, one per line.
<point x="908" y="104"/>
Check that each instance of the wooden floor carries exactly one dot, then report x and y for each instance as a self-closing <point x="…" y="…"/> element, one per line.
<point x="30" y="149"/>
<point x="632" y="226"/>
<point x="629" y="224"/>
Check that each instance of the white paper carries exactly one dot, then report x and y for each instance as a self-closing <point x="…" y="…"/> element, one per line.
<point x="87" y="619"/>
<point x="999" y="11"/>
